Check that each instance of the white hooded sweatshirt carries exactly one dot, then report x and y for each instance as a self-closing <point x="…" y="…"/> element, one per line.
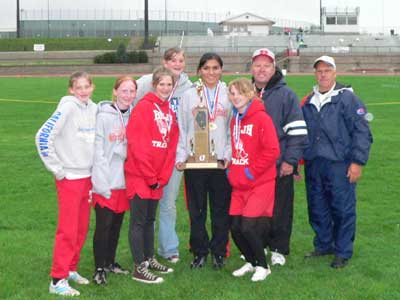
<point x="65" y="142"/>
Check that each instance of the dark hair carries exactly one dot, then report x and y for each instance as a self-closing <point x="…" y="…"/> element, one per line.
<point x="209" y="56"/>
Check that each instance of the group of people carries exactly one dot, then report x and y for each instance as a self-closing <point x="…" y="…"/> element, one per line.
<point x="130" y="154"/>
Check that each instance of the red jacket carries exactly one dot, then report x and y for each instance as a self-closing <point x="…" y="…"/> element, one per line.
<point x="255" y="155"/>
<point x="152" y="134"/>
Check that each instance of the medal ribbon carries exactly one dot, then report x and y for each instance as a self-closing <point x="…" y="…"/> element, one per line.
<point x="212" y="103"/>
<point x="173" y="90"/>
<point x="121" y="118"/>
<point x="236" y="132"/>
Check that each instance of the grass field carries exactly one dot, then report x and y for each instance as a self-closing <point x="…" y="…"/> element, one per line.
<point x="28" y="214"/>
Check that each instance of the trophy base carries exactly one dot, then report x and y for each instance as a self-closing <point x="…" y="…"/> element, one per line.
<point x="205" y="165"/>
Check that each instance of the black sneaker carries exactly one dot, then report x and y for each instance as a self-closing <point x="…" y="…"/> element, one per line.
<point x="116" y="269"/>
<point x="218" y="262"/>
<point x="317" y="253"/>
<point x="142" y="274"/>
<point x="100" y="276"/>
<point x="339" y="262"/>
<point x="154" y="265"/>
<point x="198" y="262"/>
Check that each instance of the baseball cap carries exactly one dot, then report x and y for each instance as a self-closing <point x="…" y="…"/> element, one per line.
<point x="263" y="52"/>
<point x="326" y="59"/>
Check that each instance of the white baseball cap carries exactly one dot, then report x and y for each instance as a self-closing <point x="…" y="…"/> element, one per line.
<point x="263" y="52"/>
<point x="326" y="59"/>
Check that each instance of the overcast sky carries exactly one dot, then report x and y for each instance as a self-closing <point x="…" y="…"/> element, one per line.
<point x="376" y="15"/>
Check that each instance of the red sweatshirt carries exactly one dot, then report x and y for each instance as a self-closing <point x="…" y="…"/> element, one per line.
<point x="255" y="150"/>
<point x="152" y="135"/>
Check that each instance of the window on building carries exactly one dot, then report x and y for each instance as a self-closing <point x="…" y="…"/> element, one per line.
<point x="341" y="20"/>
<point x="330" y="20"/>
<point x="352" y="20"/>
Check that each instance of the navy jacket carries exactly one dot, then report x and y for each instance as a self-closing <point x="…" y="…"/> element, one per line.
<point x="283" y="106"/>
<point x="338" y="130"/>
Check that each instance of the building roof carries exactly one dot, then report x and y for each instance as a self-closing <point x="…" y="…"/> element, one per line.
<point x="247" y="18"/>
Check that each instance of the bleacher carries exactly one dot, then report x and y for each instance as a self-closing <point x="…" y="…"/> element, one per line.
<point x="278" y="43"/>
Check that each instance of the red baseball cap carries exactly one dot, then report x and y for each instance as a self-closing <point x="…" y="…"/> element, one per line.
<point x="263" y="52"/>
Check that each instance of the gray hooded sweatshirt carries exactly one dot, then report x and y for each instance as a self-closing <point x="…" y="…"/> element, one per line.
<point x="220" y="135"/>
<point x="110" y="149"/>
<point x="65" y="142"/>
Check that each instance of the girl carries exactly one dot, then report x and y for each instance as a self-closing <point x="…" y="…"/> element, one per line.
<point x="168" y="243"/>
<point x="152" y="135"/>
<point x="200" y="183"/>
<point x="65" y="143"/>
<point x="252" y="174"/>
<point x="109" y="193"/>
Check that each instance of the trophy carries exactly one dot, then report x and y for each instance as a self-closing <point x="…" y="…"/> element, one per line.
<point x="202" y="152"/>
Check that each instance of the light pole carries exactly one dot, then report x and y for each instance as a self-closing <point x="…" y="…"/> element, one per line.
<point x="18" y="21"/>
<point x="321" y="23"/>
<point x="146" y="25"/>
<point x="48" y="18"/>
<point x="165" y="18"/>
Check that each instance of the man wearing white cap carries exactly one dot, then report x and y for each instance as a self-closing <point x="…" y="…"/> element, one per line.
<point x="283" y="106"/>
<point x="339" y="145"/>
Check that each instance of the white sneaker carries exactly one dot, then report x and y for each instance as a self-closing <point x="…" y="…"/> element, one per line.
<point x="62" y="288"/>
<point x="75" y="277"/>
<point x="260" y="274"/>
<point x="246" y="268"/>
<point x="277" y="258"/>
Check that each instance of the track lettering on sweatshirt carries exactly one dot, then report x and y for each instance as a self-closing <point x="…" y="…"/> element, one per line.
<point x="44" y="133"/>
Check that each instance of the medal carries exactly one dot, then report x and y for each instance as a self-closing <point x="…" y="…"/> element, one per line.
<point x="212" y="126"/>
<point x="212" y="102"/>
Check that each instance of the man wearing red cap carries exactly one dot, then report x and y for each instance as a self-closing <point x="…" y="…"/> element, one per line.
<point x="283" y="106"/>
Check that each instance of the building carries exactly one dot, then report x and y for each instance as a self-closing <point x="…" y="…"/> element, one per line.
<point x="340" y="20"/>
<point x="247" y="24"/>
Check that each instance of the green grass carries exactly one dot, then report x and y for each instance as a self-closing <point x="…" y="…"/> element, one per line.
<point x="62" y="44"/>
<point x="29" y="214"/>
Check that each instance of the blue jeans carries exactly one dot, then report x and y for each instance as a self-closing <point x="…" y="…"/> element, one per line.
<point x="168" y="242"/>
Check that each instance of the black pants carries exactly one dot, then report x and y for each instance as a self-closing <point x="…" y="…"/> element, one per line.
<point x="278" y="238"/>
<point x="106" y="235"/>
<point x="248" y="235"/>
<point x="141" y="228"/>
<point x="201" y="184"/>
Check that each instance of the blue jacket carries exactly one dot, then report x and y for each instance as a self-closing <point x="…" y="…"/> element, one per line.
<point x="337" y="127"/>
<point x="283" y="106"/>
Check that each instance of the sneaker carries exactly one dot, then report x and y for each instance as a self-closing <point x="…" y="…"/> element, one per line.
<point x="339" y="262"/>
<point x="116" y="269"/>
<point x="62" y="288"/>
<point x="246" y="268"/>
<point x="242" y="257"/>
<point x="142" y="274"/>
<point x="173" y="259"/>
<point x="198" y="262"/>
<point x="100" y="276"/>
<point x="318" y="253"/>
<point x="74" y="276"/>
<point x="277" y="259"/>
<point x="260" y="273"/>
<point x="218" y="262"/>
<point x="156" y="266"/>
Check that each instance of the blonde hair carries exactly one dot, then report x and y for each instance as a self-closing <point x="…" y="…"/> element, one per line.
<point x="76" y="75"/>
<point x="243" y="86"/>
<point x="118" y="82"/>
<point x="161" y="72"/>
